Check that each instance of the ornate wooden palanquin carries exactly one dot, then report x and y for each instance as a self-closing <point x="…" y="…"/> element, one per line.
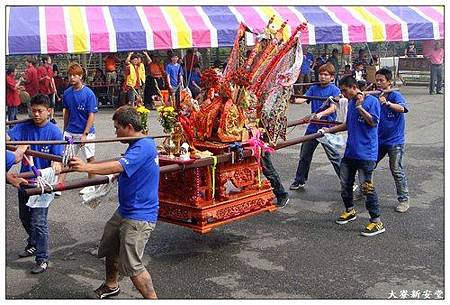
<point x="186" y="196"/>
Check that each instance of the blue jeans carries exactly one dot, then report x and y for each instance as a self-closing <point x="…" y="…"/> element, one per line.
<point x="12" y="113"/>
<point x="272" y="175"/>
<point x="436" y="78"/>
<point x="349" y="167"/>
<point x="35" y="223"/>
<point x="396" y="153"/>
<point x="306" y="153"/>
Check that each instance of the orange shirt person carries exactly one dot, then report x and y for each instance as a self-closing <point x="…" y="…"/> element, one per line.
<point x="347" y="53"/>
<point x="110" y="68"/>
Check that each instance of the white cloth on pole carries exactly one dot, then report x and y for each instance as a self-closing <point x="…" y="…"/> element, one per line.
<point x="48" y="178"/>
<point x="341" y="111"/>
<point x="93" y="199"/>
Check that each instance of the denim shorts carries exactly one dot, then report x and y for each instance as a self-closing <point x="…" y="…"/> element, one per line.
<point x="125" y="239"/>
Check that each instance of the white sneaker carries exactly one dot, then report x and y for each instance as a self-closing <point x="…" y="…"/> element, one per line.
<point x="58" y="194"/>
<point x="87" y="189"/>
<point x="402" y="206"/>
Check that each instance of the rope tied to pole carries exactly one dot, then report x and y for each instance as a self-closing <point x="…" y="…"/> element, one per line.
<point x="69" y="151"/>
<point x="213" y="176"/>
<point x="40" y="181"/>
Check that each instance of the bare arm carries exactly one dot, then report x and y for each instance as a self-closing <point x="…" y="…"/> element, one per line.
<point x="147" y="56"/>
<point x="328" y="111"/>
<point x="181" y="81"/>
<point x="168" y="82"/>
<point x="338" y="128"/>
<point x="395" y="107"/>
<point x="89" y="123"/>
<point x="66" y="113"/>
<point x="20" y="151"/>
<point x="103" y="168"/>
<point x="15" y="181"/>
<point x="366" y="116"/>
<point x="127" y="60"/>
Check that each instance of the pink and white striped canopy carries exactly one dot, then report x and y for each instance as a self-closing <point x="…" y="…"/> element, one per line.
<point x="85" y="29"/>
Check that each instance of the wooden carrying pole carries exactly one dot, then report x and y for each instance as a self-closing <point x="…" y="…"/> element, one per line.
<point x="18" y="121"/>
<point x="307" y="119"/>
<point x="62" y="142"/>
<point x="37" y="154"/>
<point x="306" y="84"/>
<point x="78" y="183"/>
<point x="304" y="138"/>
<point x="322" y="98"/>
<point x="63" y="171"/>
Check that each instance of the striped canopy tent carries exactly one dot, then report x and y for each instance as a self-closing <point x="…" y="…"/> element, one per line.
<point x="94" y="29"/>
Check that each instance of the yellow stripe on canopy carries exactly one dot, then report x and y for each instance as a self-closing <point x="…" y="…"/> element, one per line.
<point x="184" y="33"/>
<point x="269" y="12"/>
<point x="378" y="29"/>
<point x="79" y="31"/>
<point x="440" y="9"/>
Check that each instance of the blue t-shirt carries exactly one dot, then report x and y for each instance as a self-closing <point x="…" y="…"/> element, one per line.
<point x="174" y="72"/>
<point x="10" y="159"/>
<point x="80" y="104"/>
<point x="362" y="140"/>
<point x="318" y="105"/>
<point x="391" y="130"/>
<point x="139" y="182"/>
<point x="30" y="132"/>
<point x="308" y="59"/>
<point x="195" y="77"/>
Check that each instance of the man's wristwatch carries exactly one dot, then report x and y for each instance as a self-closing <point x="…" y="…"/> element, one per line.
<point x="388" y="104"/>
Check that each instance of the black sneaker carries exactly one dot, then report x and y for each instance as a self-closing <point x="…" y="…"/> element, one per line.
<point x="29" y="251"/>
<point x="104" y="291"/>
<point x="296" y="185"/>
<point x="40" y="267"/>
<point x="282" y="202"/>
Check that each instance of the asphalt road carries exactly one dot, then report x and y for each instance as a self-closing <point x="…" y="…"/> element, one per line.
<point x="294" y="253"/>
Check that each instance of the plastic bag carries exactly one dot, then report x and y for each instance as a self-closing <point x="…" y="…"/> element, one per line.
<point x="93" y="199"/>
<point x="336" y="141"/>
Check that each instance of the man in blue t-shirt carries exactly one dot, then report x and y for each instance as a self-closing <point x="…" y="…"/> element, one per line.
<point x="80" y="106"/>
<point x="127" y="232"/>
<point x="34" y="219"/>
<point x="194" y="81"/>
<point x="360" y="155"/>
<point x="321" y="111"/>
<point x="174" y="74"/>
<point x="391" y="135"/>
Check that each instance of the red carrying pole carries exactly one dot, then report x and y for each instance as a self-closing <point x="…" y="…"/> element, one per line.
<point x="37" y="154"/>
<point x="78" y="183"/>
<point x="62" y="142"/>
<point x="18" y="121"/>
<point x="304" y="138"/>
